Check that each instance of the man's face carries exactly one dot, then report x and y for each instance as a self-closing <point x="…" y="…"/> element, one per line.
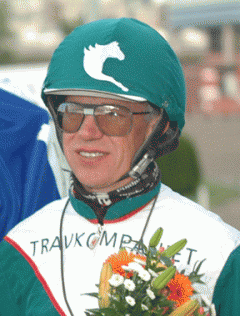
<point x="99" y="173"/>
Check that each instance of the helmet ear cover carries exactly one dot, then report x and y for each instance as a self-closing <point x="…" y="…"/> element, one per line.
<point x="168" y="142"/>
<point x="160" y="143"/>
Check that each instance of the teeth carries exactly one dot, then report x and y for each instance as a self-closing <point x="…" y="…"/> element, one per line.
<point x="86" y="154"/>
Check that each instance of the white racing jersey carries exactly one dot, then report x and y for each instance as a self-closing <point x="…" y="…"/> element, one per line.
<point x="31" y="277"/>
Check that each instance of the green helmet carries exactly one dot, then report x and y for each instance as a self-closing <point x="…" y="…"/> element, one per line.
<point x="124" y="57"/>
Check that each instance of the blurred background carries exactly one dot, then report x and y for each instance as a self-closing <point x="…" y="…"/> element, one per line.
<point x="205" y="34"/>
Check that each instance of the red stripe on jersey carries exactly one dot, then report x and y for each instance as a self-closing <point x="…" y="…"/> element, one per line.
<point x="38" y="274"/>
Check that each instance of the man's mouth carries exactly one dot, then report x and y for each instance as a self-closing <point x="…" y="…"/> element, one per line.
<point x="90" y="154"/>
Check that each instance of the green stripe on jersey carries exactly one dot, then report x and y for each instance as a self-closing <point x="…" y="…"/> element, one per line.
<point x="18" y="281"/>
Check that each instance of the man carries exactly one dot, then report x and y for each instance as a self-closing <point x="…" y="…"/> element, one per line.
<point x="116" y="92"/>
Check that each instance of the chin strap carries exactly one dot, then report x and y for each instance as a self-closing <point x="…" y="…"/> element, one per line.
<point x="169" y="144"/>
<point x="140" y="168"/>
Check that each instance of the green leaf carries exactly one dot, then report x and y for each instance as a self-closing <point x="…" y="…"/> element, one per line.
<point x="160" y="269"/>
<point x="199" y="266"/>
<point x="195" y="292"/>
<point x="93" y="313"/>
<point x="196" y="279"/>
<point x="165" y="303"/>
<point x="175" y="248"/>
<point x="200" y="282"/>
<point x="195" y="264"/>
<point x="102" y="311"/>
<point x="91" y="294"/>
<point x="119" y="305"/>
<point x="164" y="278"/>
<point x="155" y="239"/>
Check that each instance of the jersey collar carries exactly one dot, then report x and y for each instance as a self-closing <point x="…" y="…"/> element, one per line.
<point x="119" y="211"/>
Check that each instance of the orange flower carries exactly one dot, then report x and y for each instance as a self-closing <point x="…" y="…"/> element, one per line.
<point x="117" y="260"/>
<point x="180" y="288"/>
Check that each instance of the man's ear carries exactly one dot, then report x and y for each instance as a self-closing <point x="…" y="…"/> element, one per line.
<point x="153" y="123"/>
<point x="166" y="128"/>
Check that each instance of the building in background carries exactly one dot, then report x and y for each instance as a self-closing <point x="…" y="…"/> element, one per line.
<point x="212" y="64"/>
<point x="33" y="29"/>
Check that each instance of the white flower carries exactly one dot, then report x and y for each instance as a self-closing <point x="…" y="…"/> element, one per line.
<point x="129" y="285"/>
<point x="130" y="300"/>
<point x="153" y="273"/>
<point x="116" y="280"/>
<point x="134" y="266"/>
<point x="126" y="268"/>
<point x="144" y="275"/>
<point x="144" y="307"/>
<point x="150" y="294"/>
<point x="142" y="262"/>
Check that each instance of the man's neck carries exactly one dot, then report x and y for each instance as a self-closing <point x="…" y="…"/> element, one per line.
<point x="108" y="187"/>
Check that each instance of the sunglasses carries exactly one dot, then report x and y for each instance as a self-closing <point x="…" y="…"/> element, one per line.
<point x="112" y="120"/>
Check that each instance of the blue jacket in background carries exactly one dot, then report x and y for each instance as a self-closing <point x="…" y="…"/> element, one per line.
<point x="27" y="182"/>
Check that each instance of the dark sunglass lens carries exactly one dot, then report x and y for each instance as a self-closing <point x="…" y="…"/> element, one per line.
<point x="113" y="121"/>
<point x="68" y="119"/>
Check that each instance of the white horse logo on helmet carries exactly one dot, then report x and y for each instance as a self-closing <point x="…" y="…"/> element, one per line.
<point x="94" y="58"/>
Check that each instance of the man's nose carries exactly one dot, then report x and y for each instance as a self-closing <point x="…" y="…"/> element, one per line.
<point x="89" y="129"/>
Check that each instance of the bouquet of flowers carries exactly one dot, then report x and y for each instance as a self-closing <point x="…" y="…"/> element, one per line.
<point x="132" y="284"/>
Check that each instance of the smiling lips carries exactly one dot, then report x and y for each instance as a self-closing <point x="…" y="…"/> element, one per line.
<point x="91" y="153"/>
